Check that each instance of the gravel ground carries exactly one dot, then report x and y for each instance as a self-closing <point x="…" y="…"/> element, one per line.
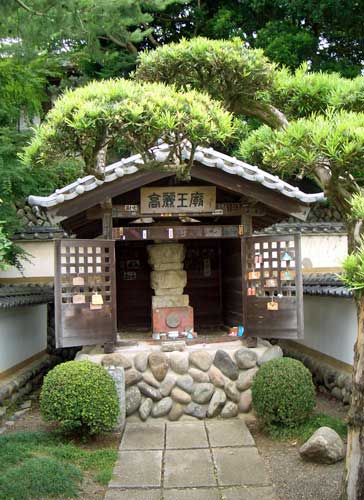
<point x="293" y="478"/>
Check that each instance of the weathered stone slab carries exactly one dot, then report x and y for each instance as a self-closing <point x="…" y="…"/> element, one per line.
<point x="171" y="291"/>
<point x="138" y="469"/>
<point x="166" y="252"/>
<point x="132" y="494"/>
<point x="191" y="494"/>
<point x="153" y="439"/>
<point x="191" y="435"/>
<point x="239" y="466"/>
<point x="159" y="301"/>
<point x="118" y="376"/>
<point x="250" y="493"/>
<point x="190" y="469"/>
<point x="168" y="279"/>
<point x="167" y="266"/>
<point x="229" y="433"/>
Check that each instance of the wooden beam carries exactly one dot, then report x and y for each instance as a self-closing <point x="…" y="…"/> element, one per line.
<point x="177" y="232"/>
<point x="236" y="184"/>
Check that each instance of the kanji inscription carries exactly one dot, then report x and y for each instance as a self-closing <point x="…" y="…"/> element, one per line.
<point x="179" y="199"/>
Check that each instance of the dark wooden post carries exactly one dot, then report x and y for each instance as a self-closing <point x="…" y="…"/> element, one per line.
<point x="106" y="207"/>
<point x="247" y="223"/>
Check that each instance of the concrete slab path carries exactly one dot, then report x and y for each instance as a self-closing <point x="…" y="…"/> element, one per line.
<point x="203" y="460"/>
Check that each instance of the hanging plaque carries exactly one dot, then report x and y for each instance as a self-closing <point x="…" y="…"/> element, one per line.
<point x="79" y="298"/>
<point x="177" y="199"/>
<point x="96" y="299"/>
<point x="78" y="281"/>
<point x="272" y="306"/>
<point x="254" y="275"/>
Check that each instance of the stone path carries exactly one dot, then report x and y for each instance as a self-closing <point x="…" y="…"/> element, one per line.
<point x="203" y="460"/>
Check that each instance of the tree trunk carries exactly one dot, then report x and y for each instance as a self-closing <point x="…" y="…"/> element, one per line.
<point x="353" y="480"/>
<point x="265" y="112"/>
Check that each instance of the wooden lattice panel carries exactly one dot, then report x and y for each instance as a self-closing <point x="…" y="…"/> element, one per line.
<point x="85" y="292"/>
<point x="272" y="286"/>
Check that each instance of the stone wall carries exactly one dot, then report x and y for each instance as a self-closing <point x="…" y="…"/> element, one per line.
<point x="327" y="378"/>
<point x="200" y="383"/>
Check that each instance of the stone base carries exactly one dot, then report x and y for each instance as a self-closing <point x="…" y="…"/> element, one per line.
<point x="204" y="381"/>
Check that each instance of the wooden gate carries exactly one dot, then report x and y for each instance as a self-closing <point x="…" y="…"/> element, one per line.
<point x="272" y="286"/>
<point x="85" y="305"/>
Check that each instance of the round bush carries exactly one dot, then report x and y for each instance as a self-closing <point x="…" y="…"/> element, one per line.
<point x="80" y="395"/>
<point x="283" y="393"/>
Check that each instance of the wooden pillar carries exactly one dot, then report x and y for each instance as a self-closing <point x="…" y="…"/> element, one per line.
<point x="106" y="208"/>
<point x="246" y="221"/>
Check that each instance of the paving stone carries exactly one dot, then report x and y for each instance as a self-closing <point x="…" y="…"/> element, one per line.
<point x="132" y="494"/>
<point x="239" y="466"/>
<point x="250" y="493"/>
<point x="229" y="433"/>
<point x="141" y="469"/>
<point x="191" y="494"/>
<point x="186" y="435"/>
<point x="139" y="437"/>
<point x="183" y="469"/>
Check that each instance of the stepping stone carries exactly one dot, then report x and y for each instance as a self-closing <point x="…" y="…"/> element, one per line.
<point x="186" y="435"/>
<point x="135" y="469"/>
<point x="192" y="494"/>
<point x="143" y="437"/>
<point x="239" y="467"/>
<point x="252" y="493"/>
<point x="188" y="469"/>
<point x="233" y="432"/>
<point x="131" y="494"/>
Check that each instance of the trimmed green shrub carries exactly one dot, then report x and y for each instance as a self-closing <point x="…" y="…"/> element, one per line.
<point x="283" y="393"/>
<point x="80" y="395"/>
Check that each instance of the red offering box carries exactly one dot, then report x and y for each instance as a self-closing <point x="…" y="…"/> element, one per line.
<point x="167" y="319"/>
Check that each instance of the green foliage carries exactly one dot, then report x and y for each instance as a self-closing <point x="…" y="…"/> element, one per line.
<point x="39" y="464"/>
<point x="357" y="207"/>
<point x="353" y="269"/>
<point x="80" y="395"/>
<point x="304" y="431"/>
<point x="127" y="115"/>
<point x="283" y="393"/>
<point x="226" y="69"/>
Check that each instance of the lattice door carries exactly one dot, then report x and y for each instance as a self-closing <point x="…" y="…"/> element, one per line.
<point x="272" y="286"/>
<point x="85" y="302"/>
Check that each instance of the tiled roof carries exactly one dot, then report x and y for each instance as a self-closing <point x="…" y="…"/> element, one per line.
<point x="24" y="295"/>
<point x="40" y="233"/>
<point x="325" y="284"/>
<point x="206" y="156"/>
<point x="306" y="227"/>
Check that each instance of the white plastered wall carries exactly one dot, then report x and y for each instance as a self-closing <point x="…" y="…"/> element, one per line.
<point x="320" y="251"/>
<point x="23" y="334"/>
<point x="40" y="264"/>
<point x="330" y="326"/>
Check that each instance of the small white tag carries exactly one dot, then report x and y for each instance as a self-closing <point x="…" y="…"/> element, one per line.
<point x="170" y="233"/>
<point x="144" y="234"/>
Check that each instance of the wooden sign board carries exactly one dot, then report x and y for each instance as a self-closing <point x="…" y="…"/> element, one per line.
<point x="177" y="199"/>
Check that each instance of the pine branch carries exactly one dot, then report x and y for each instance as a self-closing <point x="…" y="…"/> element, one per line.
<point x="28" y="9"/>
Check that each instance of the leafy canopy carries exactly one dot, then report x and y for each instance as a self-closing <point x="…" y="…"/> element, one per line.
<point x="226" y="70"/>
<point x="123" y="114"/>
